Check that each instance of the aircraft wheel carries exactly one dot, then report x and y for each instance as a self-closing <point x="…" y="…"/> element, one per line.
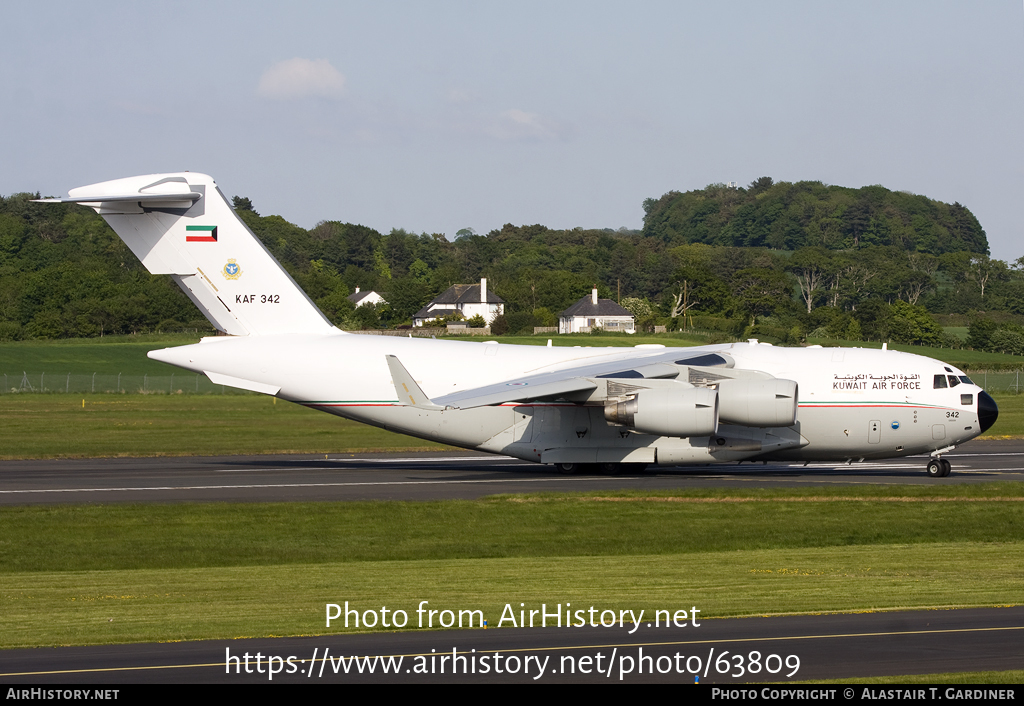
<point x="946" y="467"/>
<point x="568" y="468"/>
<point x="935" y="468"/>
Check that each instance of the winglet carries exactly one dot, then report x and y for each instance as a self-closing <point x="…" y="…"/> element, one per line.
<point x="406" y="388"/>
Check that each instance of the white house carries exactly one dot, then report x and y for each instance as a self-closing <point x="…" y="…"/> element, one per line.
<point x="360" y="298"/>
<point x="591" y="312"/>
<point x="468" y="299"/>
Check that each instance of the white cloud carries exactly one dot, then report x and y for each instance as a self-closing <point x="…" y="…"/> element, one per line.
<point x="301" y="78"/>
<point x="520" y="125"/>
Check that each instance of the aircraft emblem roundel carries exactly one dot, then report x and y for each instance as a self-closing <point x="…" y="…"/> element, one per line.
<point x="232" y="270"/>
<point x="895" y="425"/>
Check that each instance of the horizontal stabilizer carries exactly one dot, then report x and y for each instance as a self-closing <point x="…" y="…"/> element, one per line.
<point x="105" y="198"/>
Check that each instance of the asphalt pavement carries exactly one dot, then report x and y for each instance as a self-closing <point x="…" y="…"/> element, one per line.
<point x="717" y="651"/>
<point x="442" y="475"/>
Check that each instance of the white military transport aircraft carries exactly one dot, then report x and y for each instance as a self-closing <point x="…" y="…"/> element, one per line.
<point x="577" y="408"/>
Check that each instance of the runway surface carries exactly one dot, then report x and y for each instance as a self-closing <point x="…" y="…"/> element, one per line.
<point x="437" y="476"/>
<point x="718" y="651"/>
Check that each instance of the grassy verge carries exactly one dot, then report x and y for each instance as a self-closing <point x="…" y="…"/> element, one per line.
<point x="117" y="606"/>
<point x="91" y="574"/>
<point x="194" y="535"/>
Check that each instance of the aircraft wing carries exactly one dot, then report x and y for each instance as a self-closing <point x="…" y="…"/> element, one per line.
<point x="567" y="381"/>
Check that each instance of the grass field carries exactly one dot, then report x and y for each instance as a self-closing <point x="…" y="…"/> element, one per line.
<point x="208" y="534"/>
<point x="1010" y="424"/>
<point x="127" y="354"/>
<point x="960" y="332"/>
<point x="110" y="354"/>
<point x="142" y="605"/>
<point x="91" y="574"/>
<point x="58" y="426"/>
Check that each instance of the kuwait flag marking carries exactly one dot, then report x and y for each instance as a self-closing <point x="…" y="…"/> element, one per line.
<point x="200" y="234"/>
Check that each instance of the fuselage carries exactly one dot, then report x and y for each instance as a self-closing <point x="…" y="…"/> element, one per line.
<point x="853" y="403"/>
<point x="565" y="406"/>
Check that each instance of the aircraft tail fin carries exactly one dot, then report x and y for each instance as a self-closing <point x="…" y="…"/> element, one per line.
<point x="182" y="225"/>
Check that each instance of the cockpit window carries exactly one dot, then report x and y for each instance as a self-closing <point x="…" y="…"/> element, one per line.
<point x="940" y="382"/>
<point x="954" y="381"/>
<point x="967" y="380"/>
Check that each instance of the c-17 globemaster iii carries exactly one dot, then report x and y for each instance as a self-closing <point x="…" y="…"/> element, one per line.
<point x="613" y="408"/>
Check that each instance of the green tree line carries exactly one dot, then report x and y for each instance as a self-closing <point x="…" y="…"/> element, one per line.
<point x="64" y="273"/>
<point x="789" y="216"/>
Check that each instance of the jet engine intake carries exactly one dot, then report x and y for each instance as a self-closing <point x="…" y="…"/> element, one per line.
<point x="758" y="403"/>
<point x="666" y="412"/>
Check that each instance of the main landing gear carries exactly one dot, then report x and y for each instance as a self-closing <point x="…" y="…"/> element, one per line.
<point x="938" y="468"/>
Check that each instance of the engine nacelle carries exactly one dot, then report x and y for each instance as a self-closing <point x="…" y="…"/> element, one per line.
<point x="665" y="412"/>
<point x="758" y="403"/>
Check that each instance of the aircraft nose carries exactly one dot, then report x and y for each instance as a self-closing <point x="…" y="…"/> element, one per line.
<point x="988" y="412"/>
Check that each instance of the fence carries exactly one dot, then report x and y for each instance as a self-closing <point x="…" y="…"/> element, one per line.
<point x="997" y="380"/>
<point x="421" y="332"/>
<point x="175" y="383"/>
<point x="722" y="335"/>
<point x="1007" y="381"/>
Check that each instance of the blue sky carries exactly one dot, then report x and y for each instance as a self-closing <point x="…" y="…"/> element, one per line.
<point x="435" y="116"/>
